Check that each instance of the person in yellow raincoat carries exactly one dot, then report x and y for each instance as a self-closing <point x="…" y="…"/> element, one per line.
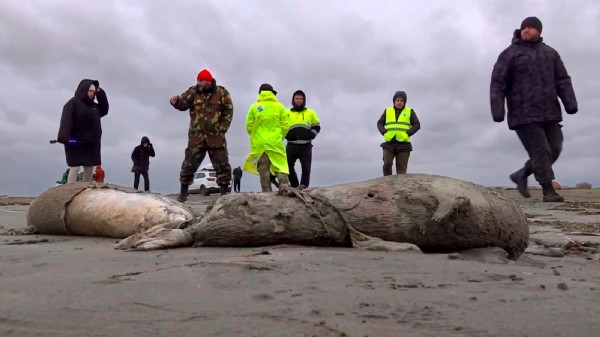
<point x="267" y="123"/>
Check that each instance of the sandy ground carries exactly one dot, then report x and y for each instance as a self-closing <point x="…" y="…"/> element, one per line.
<point x="76" y="286"/>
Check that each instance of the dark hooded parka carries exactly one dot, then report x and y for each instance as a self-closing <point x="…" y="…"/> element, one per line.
<point x="530" y="77"/>
<point x="80" y="127"/>
<point x="141" y="155"/>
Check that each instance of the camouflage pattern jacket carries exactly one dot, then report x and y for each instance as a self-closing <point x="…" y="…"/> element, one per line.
<point x="211" y="112"/>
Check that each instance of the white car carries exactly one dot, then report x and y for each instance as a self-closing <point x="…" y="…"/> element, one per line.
<point x="205" y="181"/>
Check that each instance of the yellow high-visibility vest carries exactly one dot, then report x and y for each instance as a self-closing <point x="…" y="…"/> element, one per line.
<point x="397" y="128"/>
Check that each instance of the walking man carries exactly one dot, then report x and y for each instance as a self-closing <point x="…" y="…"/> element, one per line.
<point x="304" y="127"/>
<point x="530" y="76"/>
<point x="211" y="112"/>
<point x="397" y="124"/>
<point x="237" y="179"/>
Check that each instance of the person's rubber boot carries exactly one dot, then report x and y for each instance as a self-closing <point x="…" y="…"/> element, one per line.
<point x="285" y="190"/>
<point x="302" y="187"/>
<point x="284" y="185"/>
<point x="183" y="193"/>
<point x="520" y="179"/>
<point x="224" y="189"/>
<point x="265" y="183"/>
<point x="550" y="194"/>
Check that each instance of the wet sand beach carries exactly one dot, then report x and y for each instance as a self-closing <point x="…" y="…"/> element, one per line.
<point x="81" y="286"/>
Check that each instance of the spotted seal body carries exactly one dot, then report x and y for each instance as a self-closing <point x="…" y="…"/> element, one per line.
<point x="93" y="209"/>
<point x="399" y="212"/>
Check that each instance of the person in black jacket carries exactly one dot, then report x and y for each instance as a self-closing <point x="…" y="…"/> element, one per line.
<point x="141" y="162"/>
<point x="80" y="129"/>
<point x="397" y="124"/>
<point x="304" y="127"/>
<point x="237" y="179"/>
<point x="530" y="76"/>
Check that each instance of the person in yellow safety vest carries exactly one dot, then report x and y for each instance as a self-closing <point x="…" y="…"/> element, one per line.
<point x="304" y="127"/>
<point x="397" y="124"/>
<point x="267" y="123"/>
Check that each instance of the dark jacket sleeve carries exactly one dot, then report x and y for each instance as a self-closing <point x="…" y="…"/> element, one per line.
<point x="564" y="87"/>
<point x="499" y="85"/>
<point x="134" y="155"/>
<point x="414" y="122"/>
<point x="151" y="152"/>
<point x="381" y="123"/>
<point x="102" y="102"/>
<point x="66" y="122"/>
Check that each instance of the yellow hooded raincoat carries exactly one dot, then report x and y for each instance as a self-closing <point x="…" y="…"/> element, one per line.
<point x="267" y="123"/>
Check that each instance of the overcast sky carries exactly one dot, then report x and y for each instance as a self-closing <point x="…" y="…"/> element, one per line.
<point x="348" y="56"/>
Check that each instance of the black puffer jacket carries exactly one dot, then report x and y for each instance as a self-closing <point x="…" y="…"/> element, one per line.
<point x="141" y="155"/>
<point x="531" y="77"/>
<point x="80" y="121"/>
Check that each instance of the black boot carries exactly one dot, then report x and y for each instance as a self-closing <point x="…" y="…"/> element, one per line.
<point x="550" y="194"/>
<point x="224" y="189"/>
<point x="183" y="193"/>
<point x="520" y="179"/>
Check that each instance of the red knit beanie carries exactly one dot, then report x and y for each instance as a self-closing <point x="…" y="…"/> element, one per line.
<point x="205" y="75"/>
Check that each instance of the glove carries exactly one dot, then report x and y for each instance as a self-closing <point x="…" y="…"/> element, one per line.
<point x="312" y="135"/>
<point x="499" y="119"/>
<point x="572" y="111"/>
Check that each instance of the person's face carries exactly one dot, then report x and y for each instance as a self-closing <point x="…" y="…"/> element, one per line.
<point x="145" y="145"/>
<point x="91" y="93"/>
<point x="399" y="102"/>
<point x="204" y="84"/>
<point x="298" y="100"/>
<point x="529" y="34"/>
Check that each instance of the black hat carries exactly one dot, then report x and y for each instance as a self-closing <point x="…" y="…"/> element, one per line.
<point x="533" y="22"/>
<point x="267" y="87"/>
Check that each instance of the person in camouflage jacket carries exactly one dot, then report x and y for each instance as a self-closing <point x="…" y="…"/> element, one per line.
<point x="211" y="112"/>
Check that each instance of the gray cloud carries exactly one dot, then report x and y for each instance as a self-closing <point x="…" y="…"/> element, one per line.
<point x="349" y="57"/>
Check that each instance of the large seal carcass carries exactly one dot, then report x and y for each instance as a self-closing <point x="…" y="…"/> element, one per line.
<point x="95" y="209"/>
<point x="412" y="211"/>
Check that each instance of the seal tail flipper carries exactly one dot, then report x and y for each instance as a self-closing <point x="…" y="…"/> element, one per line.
<point x="157" y="238"/>
<point x="447" y="208"/>
<point x="363" y="241"/>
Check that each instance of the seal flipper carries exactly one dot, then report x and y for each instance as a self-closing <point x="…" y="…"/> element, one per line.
<point x="366" y="242"/>
<point x="157" y="238"/>
<point x="449" y="207"/>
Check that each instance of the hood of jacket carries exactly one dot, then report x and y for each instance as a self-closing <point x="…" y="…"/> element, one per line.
<point x="301" y="106"/>
<point x="266" y="95"/>
<point x="82" y="89"/>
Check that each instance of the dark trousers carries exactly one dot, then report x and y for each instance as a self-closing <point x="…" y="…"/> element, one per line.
<point x="543" y="142"/>
<point x="236" y="184"/>
<point x="401" y="158"/>
<point x="302" y="152"/>
<point x="136" y="180"/>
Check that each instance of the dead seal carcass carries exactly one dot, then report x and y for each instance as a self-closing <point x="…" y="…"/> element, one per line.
<point x="92" y="209"/>
<point x="433" y="213"/>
